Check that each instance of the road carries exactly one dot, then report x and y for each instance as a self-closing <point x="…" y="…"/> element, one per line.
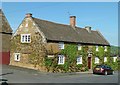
<point x="21" y="75"/>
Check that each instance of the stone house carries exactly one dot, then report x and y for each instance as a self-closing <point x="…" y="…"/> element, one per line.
<point x="48" y="46"/>
<point x="5" y="36"/>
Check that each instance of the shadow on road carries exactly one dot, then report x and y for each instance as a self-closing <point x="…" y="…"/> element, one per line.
<point x="6" y="73"/>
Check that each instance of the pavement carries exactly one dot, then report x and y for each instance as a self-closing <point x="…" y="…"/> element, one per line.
<point x="22" y="75"/>
<point x="39" y="72"/>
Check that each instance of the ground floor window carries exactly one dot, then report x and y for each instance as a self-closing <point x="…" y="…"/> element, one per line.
<point x="17" y="56"/>
<point x="114" y="59"/>
<point x="96" y="60"/>
<point x="61" y="59"/>
<point x="79" y="60"/>
<point x="105" y="59"/>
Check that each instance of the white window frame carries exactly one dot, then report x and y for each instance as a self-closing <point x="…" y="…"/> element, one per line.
<point x="97" y="48"/>
<point x="51" y="56"/>
<point x="79" y="47"/>
<point x="25" y="38"/>
<point x="79" y="60"/>
<point x="61" y="59"/>
<point x="17" y="56"/>
<point x="96" y="60"/>
<point x="105" y="59"/>
<point x="105" y="48"/>
<point x="114" y="59"/>
<point x="61" y="45"/>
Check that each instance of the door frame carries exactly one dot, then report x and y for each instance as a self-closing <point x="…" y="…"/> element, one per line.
<point x="89" y="56"/>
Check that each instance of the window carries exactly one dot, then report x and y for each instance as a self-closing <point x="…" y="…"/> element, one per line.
<point x="26" y="25"/>
<point x="17" y="56"/>
<point x="114" y="59"/>
<point x="96" y="60"/>
<point x="105" y="59"/>
<point x="105" y="48"/>
<point x="61" y="59"/>
<point x="25" y="38"/>
<point x="79" y="60"/>
<point x="79" y="47"/>
<point x="96" y="48"/>
<point x="61" y="45"/>
<point x="50" y="56"/>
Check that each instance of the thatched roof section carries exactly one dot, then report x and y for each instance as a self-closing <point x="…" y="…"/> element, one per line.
<point x="60" y="32"/>
<point x="4" y="25"/>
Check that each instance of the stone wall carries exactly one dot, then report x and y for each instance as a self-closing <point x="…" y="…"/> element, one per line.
<point x="52" y="48"/>
<point x="29" y="52"/>
<point x="6" y="42"/>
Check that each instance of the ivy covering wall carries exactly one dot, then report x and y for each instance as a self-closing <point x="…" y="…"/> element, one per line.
<point x="38" y="57"/>
<point x="101" y="54"/>
<point x="71" y="53"/>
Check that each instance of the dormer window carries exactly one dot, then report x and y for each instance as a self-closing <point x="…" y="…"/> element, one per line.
<point x="25" y="38"/>
<point x="79" y="47"/>
<point x="61" y="45"/>
<point x="105" y="48"/>
<point x="97" y="48"/>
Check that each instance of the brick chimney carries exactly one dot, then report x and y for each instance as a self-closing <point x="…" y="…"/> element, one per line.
<point x="73" y="21"/>
<point x="28" y="15"/>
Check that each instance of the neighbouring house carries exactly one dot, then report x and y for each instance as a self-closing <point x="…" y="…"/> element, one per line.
<point x="5" y="36"/>
<point x="54" y="47"/>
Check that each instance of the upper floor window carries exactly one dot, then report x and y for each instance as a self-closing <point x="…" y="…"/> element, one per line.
<point x="79" y="60"/>
<point x="105" y="48"/>
<point x="25" y="38"/>
<point x="97" y="48"/>
<point x="61" y="45"/>
<point x="61" y="59"/>
<point x="79" y="47"/>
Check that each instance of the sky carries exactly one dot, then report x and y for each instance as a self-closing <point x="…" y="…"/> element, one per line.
<point x="60" y="0"/>
<point x="102" y="16"/>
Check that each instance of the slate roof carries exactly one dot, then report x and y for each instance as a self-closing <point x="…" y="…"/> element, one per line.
<point x="4" y="25"/>
<point x="66" y="33"/>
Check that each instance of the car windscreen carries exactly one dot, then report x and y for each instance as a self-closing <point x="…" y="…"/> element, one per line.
<point x="100" y="66"/>
<point x="103" y="66"/>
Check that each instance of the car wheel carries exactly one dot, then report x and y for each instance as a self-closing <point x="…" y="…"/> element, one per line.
<point x="106" y="73"/>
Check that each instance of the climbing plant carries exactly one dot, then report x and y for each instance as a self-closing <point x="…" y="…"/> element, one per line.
<point x="101" y="54"/>
<point x="71" y="53"/>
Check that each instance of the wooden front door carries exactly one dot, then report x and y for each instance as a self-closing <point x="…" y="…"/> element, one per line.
<point x="89" y="62"/>
<point x="5" y="58"/>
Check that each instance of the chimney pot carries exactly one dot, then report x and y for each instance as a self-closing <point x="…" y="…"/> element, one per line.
<point x="28" y="15"/>
<point x="88" y="28"/>
<point x="73" y="21"/>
